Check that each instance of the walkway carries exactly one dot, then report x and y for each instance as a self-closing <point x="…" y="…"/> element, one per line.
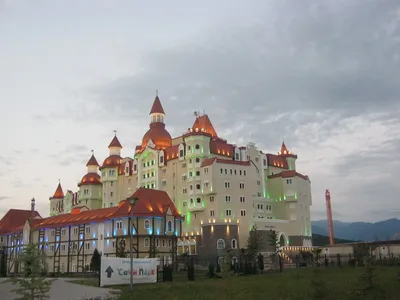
<point x="61" y="289"/>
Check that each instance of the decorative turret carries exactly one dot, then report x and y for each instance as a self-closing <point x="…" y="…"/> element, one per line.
<point x="115" y="146"/>
<point x="92" y="165"/>
<point x="90" y="186"/>
<point x="56" y="201"/>
<point x="290" y="157"/>
<point x="157" y="132"/>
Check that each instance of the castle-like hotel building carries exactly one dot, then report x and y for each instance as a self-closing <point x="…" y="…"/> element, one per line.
<point x="197" y="194"/>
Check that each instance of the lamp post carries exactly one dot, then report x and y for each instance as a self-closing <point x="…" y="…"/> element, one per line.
<point x="132" y="201"/>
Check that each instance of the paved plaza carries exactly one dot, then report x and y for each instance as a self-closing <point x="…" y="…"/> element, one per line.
<point x="61" y="289"/>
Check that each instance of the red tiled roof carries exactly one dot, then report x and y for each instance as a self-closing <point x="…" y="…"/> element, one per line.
<point x="111" y="162"/>
<point x="15" y="218"/>
<point x="92" y="161"/>
<point x="157" y="107"/>
<point x="171" y="153"/>
<point x="277" y="161"/>
<point x="115" y="143"/>
<point x="159" y="135"/>
<point x="151" y="203"/>
<point x="210" y="161"/>
<point x="288" y="174"/>
<point x="221" y="147"/>
<point x="285" y="152"/>
<point x="59" y="193"/>
<point x="121" y="168"/>
<point x="203" y="124"/>
<point x="90" y="179"/>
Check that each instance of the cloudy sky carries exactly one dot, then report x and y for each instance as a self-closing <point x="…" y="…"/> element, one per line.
<point x="323" y="75"/>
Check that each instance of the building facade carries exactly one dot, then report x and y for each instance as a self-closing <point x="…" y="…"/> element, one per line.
<point x="69" y="240"/>
<point x="222" y="190"/>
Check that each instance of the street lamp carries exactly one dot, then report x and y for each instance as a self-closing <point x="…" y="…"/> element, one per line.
<point x="132" y="201"/>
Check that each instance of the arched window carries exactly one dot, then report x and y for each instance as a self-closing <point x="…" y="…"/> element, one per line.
<point x="146" y="224"/>
<point x="198" y="200"/>
<point x="220" y="244"/>
<point x="198" y="186"/>
<point x="197" y="147"/>
<point x="233" y="244"/>
<point x="169" y="226"/>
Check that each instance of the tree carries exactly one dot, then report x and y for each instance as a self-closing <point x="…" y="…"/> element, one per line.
<point x="33" y="285"/>
<point x="253" y="243"/>
<point x="273" y="240"/>
<point x="95" y="263"/>
<point x="121" y="250"/>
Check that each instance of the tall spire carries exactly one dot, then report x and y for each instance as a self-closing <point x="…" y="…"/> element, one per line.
<point x="115" y="142"/>
<point x="157" y="107"/>
<point x="59" y="193"/>
<point x="284" y="150"/>
<point x="92" y="161"/>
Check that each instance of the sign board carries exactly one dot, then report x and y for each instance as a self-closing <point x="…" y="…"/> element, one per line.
<point x="116" y="271"/>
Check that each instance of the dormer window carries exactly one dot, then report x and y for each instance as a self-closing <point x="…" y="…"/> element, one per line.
<point x="161" y="159"/>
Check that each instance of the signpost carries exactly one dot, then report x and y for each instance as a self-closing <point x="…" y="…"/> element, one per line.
<point x="117" y="271"/>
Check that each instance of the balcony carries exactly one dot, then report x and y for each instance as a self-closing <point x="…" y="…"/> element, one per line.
<point x="195" y="207"/>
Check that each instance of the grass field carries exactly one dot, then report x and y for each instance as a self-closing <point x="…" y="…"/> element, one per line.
<point x="291" y="285"/>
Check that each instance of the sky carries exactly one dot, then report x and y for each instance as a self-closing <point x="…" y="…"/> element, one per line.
<point x="324" y="76"/>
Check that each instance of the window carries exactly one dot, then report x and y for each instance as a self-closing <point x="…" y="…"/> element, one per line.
<point x="157" y="243"/>
<point x="197" y="173"/>
<point x="184" y="177"/>
<point x="163" y="243"/>
<point x="264" y="162"/>
<point x="240" y="172"/>
<point x="63" y="247"/>
<point x="198" y="187"/>
<point x="183" y="165"/>
<point x="147" y="242"/>
<point x="212" y="213"/>
<point x="205" y="170"/>
<point x="227" y="184"/>
<point x="161" y="159"/>
<point x="146" y="224"/>
<point x="188" y="147"/>
<point x="87" y="229"/>
<point x="87" y="246"/>
<point x="269" y="207"/>
<point x="111" y="194"/>
<point x="63" y="231"/>
<point x="169" y="226"/>
<point x="197" y="146"/>
<point x="184" y="191"/>
<point x="242" y="199"/>
<point x="211" y="198"/>
<point x="181" y="153"/>
<point x="198" y="200"/>
<point x="258" y="182"/>
<point x="197" y="160"/>
<point x="169" y="243"/>
<point x="237" y="157"/>
<point x="227" y="198"/>
<point x="75" y="230"/>
<point x="288" y="181"/>
<point x="241" y="185"/>
<point x="260" y="206"/>
<point x="52" y="233"/>
<point x="195" y="215"/>
<point x="244" y="173"/>
<point x="233" y="244"/>
<point x="111" y="183"/>
<point x="206" y="184"/>
<point x="228" y="212"/>
<point x="220" y="244"/>
<point x="1" y="239"/>
<point x="222" y="171"/>
<point x="119" y="224"/>
<point x="242" y="212"/>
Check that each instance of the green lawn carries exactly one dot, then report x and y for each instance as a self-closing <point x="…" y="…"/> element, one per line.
<point x="291" y="285"/>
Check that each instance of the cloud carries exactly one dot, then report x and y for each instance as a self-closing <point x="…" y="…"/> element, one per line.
<point x="324" y="77"/>
<point x="71" y="154"/>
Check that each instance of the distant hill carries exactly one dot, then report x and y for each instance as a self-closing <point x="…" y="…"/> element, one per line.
<point x="322" y="240"/>
<point x="360" y="231"/>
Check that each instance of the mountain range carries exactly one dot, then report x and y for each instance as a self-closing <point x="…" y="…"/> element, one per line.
<point x="360" y="231"/>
